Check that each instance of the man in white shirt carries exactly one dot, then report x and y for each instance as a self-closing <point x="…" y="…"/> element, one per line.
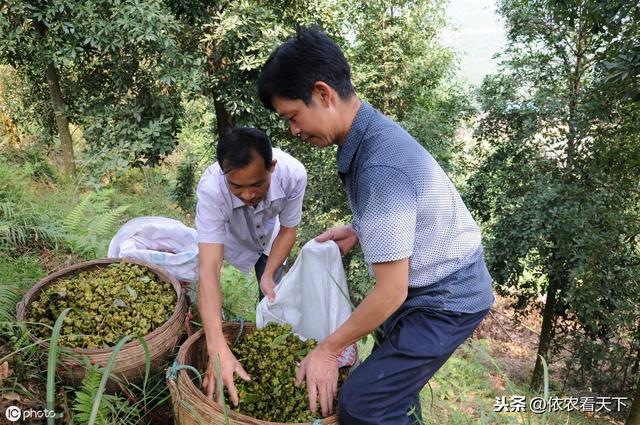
<point x="249" y="204"/>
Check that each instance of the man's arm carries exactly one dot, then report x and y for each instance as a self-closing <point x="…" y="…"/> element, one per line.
<point x="320" y="367"/>
<point x="210" y="258"/>
<point x="280" y="250"/>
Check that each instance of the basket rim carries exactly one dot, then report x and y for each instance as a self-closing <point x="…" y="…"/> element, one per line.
<point x="21" y="308"/>
<point x="188" y="382"/>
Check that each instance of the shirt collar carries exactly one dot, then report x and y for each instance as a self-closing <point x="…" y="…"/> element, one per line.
<point x="354" y="137"/>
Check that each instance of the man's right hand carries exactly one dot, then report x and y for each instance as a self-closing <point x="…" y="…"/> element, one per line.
<point x="344" y="236"/>
<point x="228" y="366"/>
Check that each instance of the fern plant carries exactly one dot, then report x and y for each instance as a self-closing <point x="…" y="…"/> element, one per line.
<point x="22" y="228"/>
<point x="85" y="395"/>
<point x="112" y="409"/>
<point x="8" y="300"/>
<point x="91" y="223"/>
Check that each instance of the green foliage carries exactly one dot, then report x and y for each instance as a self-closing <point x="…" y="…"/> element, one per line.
<point x="85" y="395"/>
<point x="147" y="192"/>
<point x="18" y="274"/>
<point x="22" y="228"/>
<point x="358" y="276"/>
<point x="400" y="67"/>
<point x="119" y="65"/>
<point x="91" y="223"/>
<point x="464" y="392"/>
<point x="240" y="294"/>
<point x="26" y="106"/>
<point x="554" y="189"/>
<point x="396" y="56"/>
<point x="111" y="409"/>
<point x="184" y="192"/>
<point x="238" y="40"/>
<point x="618" y="22"/>
<point x="8" y="300"/>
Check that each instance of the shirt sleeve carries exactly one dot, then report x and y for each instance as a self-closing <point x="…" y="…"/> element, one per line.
<point x="210" y="220"/>
<point x="387" y="206"/>
<point x="291" y="214"/>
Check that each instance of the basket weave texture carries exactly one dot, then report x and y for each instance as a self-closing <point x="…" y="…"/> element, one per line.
<point x="190" y="405"/>
<point x="130" y="361"/>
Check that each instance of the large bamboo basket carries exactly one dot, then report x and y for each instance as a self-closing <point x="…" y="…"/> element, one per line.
<point x="190" y="405"/>
<point x="131" y="360"/>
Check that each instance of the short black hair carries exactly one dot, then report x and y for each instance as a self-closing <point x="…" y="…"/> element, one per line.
<point x="238" y="145"/>
<point x="295" y="66"/>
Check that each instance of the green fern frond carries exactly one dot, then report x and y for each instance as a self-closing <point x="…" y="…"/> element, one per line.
<point x="8" y="300"/>
<point x="104" y="195"/>
<point x="72" y="223"/>
<point x="85" y="395"/>
<point x="112" y="410"/>
<point x="26" y="229"/>
<point x="8" y="210"/>
<point x="105" y="224"/>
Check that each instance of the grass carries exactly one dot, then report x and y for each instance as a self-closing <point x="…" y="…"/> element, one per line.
<point x="20" y="272"/>
<point x="240" y="294"/>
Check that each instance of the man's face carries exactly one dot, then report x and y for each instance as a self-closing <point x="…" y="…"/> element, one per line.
<point x="251" y="183"/>
<point x="312" y="123"/>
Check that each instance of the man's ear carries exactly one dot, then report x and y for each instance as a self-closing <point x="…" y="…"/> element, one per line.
<point x="325" y="93"/>
<point x="273" y="165"/>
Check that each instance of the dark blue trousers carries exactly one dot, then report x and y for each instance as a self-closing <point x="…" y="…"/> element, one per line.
<point x="259" y="269"/>
<point x="385" y="388"/>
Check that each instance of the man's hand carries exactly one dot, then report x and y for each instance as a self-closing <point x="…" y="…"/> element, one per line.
<point x="267" y="286"/>
<point x="321" y="370"/>
<point x="344" y="236"/>
<point x="228" y="366"/>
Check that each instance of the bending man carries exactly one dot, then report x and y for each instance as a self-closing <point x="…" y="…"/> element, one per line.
<point x="432" y="286"/>
<point x="249" y="204"/>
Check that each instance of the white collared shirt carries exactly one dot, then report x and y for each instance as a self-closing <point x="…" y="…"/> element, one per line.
<point x="247" y="232"/>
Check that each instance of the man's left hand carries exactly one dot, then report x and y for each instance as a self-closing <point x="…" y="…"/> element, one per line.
<point x="267" y="286"/>
<point x="321" y="370"/>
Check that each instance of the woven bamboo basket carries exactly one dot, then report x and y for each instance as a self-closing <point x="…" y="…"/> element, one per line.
<point x="190" y="405"/>
<point x="131" y="360"/>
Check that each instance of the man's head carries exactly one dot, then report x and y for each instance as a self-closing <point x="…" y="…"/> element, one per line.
<point x="246" y="159"/>
<point x="306" y="80"/>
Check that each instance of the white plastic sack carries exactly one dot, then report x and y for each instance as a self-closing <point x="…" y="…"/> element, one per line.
<point x="312" y="297"/>
<point x="159" y="240"/>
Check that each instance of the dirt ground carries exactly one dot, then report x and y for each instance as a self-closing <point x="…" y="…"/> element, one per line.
<point x="513" y="343"/>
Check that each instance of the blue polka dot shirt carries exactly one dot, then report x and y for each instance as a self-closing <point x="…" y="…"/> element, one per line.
<point x="404" y="205"/>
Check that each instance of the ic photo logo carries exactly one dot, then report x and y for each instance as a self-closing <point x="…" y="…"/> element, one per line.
<point x="13" y="413"/>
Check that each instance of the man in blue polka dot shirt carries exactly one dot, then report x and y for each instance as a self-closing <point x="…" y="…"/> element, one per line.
<point x="432" y="286"/>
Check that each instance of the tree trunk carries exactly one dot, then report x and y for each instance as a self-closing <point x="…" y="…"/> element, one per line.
<point x="224" y="121"/>
<point x="634" y="413"/>
<point x="59" y="111"/>
<point x="62" y="122"/>
<point x="557" y="278"/>
<point x="575" y="88"/>
<point x="548" y="319"/>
